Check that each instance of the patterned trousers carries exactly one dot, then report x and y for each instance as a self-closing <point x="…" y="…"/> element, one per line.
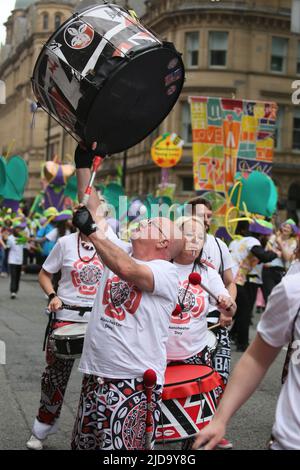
<point x="54" y="383"/>
<point x="112" y="414"/>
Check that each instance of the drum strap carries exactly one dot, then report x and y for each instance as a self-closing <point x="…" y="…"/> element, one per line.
<point x="76" y="308"/>
<point x="52" y="317"/>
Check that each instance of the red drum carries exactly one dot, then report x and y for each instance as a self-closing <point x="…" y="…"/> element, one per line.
<point x="190" y="396"/>
<point x="104" y="77"/>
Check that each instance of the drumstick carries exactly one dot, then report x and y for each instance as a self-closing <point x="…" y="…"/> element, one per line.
<point x="195" y="278"/>
<point x="96" y="164"/>
<point x="214" y="326"/>
<point x="149" y="379"/>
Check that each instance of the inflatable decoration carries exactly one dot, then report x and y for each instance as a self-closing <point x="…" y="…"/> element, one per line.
<point x="13" y="181"/>
<point x="55" y="176"/>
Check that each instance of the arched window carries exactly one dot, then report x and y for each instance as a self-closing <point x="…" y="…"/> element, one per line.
<point x="45" y="21"/>
<point x="57" y="20"/>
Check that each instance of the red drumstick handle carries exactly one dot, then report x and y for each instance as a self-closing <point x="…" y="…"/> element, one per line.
<point x="96" y="164"/>
<point x="195" y="278"/>
<point x="149" y="384"/>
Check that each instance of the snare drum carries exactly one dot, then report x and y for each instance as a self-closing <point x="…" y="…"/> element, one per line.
<point x="190" y="397"/>
<point x="67" y="341"/>
<point x="104" y="77"/>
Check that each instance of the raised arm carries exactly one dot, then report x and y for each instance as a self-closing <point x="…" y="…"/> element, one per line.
<point x="83" y="162"/>
<point x="245" y="379"/>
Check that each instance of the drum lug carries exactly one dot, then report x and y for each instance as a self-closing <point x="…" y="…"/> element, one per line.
<point x="68" y="347"/>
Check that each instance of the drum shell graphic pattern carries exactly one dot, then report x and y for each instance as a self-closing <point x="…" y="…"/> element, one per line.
<point x="190" y="398"/>
<point x="104" y="77"/>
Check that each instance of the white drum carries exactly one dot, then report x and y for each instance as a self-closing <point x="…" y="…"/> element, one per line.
<point x="212" y="342"/>
<point x="67" y="341"/>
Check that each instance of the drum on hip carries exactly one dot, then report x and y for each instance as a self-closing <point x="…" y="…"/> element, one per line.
<point x="106" y="78"/>
<point x="212" y="343"/>
<point x="66" y="342"/>
<point x="190" y="396"/>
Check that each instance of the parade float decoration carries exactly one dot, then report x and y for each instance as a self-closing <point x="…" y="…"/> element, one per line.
<point x="233" y="142"/>
<point x="166" y="152"/>
<point x="55" y="176"/>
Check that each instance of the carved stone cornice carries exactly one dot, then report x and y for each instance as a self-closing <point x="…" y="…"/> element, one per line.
<point x="256" y="20"/>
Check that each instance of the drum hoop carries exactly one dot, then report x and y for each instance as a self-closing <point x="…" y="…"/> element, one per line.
<point x="68" y="336"/>
<point x="183" y="390"/>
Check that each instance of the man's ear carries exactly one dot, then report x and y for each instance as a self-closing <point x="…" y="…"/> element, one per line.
<point x="162" y="244"/>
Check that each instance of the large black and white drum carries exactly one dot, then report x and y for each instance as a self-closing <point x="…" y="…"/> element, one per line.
<point x="104" y="77"/>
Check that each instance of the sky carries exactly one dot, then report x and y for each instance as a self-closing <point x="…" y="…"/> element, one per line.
<point x="5" y="8"/>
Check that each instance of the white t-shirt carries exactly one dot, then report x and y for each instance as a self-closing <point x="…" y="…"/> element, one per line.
<point x="294" y="268"/>
<point x="275" y="328"/>
<point x="15" y="255"/>
<point x="211" y="253"/>
<point x="188" y="332"/>
<point x="128" y="329"/>
<point x="53" y="235"/>
<point x="79" y="280"/>
<point x="243" y="259"/>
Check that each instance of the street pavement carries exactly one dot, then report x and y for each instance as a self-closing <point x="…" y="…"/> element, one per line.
<point x="22" y="326"/>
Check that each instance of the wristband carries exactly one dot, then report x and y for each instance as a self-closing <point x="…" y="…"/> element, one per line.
<point x="51" y="296"/>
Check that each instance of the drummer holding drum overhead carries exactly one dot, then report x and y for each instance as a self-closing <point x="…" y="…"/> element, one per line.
<point x="81" y="271"/>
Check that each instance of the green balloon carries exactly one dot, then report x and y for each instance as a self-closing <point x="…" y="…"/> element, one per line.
<point x="259" y="193"/>
<point x="2" y="175"/>
<point x="16" y="178"/>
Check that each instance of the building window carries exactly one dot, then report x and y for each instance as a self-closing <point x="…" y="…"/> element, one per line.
<point x="192" y="49"/>
<point x="45" y="21"/>
<point x="279" y="54"/>
<point x="218" y="45"/>
<point x="279" y="129"/>
<point x="298" y="59"/>
<point x="187" y="183"/>
<point x="57" y="20"/>
<point x="296" y="130"/>
<point x="186" y="123"/>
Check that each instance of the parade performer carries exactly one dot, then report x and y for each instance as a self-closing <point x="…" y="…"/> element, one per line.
<point x="41" y="234"/>
<point x="190" y="345"/>
<point x="285" y="242"/>
<point x="187" y="341"/>
<point x="81" y="270"/>
<point x="15" y="256"/>
<point x="279" y="325"/>
<point x="248" y="253"/>
<point x="216" y="252"/>
<point x="127" y="332"/>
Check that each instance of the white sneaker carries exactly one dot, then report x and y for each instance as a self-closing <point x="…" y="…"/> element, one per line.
<point x="34" y="443"/>
<point x="13" y="295"/>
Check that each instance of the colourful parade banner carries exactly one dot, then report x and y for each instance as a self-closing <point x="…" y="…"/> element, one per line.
<point x="230" y="136"/>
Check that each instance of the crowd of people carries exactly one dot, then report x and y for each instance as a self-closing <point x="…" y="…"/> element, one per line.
<point x="149" y="304"/>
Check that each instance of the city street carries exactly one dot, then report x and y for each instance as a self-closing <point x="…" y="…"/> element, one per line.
<point x="22" y="326"/>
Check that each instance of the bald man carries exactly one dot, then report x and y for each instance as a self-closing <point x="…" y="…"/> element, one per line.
<point x="127" y="332"/>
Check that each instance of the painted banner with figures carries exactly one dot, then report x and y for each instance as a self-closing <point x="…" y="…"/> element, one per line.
<point x="229" y="136"/>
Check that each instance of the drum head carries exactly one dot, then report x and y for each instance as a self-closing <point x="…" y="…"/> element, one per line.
<point x="135" y="100"/>
<point x="67" y="331"/>
<point x="186" y="373"/>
